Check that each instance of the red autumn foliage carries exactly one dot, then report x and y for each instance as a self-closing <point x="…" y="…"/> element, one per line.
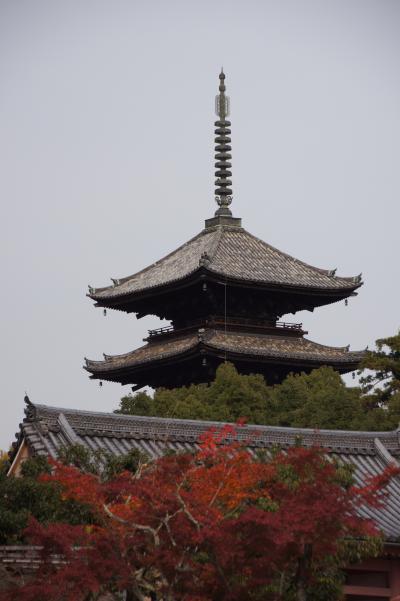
<point x="217" y="525"/>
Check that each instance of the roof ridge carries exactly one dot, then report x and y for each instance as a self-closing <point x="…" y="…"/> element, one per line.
<point x="280" y="337"/>
<point x="338" y="348"/>
<point x="201" y="423"/>
<point x="119" y="356"/>
<point x="109" y="359"/>
<point x="384" y="453"/>
<point x="215" y="244"/>
<point x="120" y="281"/>
<point x="287" y="255"/>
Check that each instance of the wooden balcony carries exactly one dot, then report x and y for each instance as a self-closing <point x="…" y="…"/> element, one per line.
<point x="281" y="328"/>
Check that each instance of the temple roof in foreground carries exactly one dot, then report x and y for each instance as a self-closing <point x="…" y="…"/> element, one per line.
<point x="259" y="346"/>
<point x="46" y="429"/>
<point x="232" y="253"/>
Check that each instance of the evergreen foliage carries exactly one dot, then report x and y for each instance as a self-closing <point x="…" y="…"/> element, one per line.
<point x="382" y="380"/>
<point x="26" y="496"/>
<point x="316" y="400"/>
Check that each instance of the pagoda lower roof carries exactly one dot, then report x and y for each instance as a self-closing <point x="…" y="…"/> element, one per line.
<point x="231" y="345"/>
<point x="232" y="253"/>
<point x="46" y="430"/>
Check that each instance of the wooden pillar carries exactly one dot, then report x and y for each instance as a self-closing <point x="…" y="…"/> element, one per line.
<point x="395" y="578"/>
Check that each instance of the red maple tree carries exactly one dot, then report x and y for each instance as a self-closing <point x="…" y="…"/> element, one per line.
<point x="220" y="524"/>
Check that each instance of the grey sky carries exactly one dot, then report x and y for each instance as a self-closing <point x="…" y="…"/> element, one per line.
<point x="106" y="158"/>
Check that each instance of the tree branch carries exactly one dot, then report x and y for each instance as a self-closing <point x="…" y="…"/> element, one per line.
<point x="166" y="521"/>
<point x="185" y="509"/>
<point x="148" y="529"/>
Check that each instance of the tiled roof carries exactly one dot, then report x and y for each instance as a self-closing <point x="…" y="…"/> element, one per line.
<point x="234" y="253"/>
<point x="263" y="346"/>
<point x="46" y="429"/>
<point x="149" y="352"/>
<point x="279" y="346"/>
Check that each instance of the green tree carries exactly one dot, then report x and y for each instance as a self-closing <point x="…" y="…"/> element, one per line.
<point x="322" y="400"/>
<point x="381" y="383"/>
<point x="29" y="496"/>
<point x="25" y="496"/>
<point x="385" y="363"/>
<point x="229" y="397"/>
<point x="316" y="400"/>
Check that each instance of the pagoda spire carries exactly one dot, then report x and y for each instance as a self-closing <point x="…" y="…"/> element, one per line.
<point x="223" y="191"/>
<point x="223" y="183"/>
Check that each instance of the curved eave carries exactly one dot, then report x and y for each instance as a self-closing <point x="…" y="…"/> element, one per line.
<point x="230" y="254"/>
<point x="117" y="364"/>
<point x="123" y="300"/>
<point x="348" y="360"/>
<point x="233" y="346"/>
<point x="123" y="374"/>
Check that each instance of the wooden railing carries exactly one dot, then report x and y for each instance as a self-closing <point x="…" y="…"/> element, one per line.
<point x="24" y="558"/>
<point x="229" y="322"/>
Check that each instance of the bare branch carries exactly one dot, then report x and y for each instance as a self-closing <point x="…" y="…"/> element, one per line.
<point x="113" y="516"/>
<point x="220" y="486"/>
<point x="141" y="466"/>
<point x="148" y="529"/>
<point x="216" y="494"/>
<point x="166" y="521"/>
<point x="185" y="509"/>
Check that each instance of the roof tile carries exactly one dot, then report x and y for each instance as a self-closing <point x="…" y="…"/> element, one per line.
<point x="236" y="342"/>
<point x="368" y="452"/>
<point x="231" y="252"/>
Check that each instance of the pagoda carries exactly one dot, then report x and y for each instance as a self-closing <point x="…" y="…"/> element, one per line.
<point x="224" y="292"/>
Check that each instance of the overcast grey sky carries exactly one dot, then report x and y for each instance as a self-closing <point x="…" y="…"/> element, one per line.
<point x="106" y="158"/>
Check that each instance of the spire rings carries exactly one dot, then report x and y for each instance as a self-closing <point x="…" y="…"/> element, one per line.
<point x="223" y="190"/>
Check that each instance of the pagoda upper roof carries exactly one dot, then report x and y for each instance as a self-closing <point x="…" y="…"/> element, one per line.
<point x="258" y="347"/>
<point x="45" y="430"/>
<point x="232" y="253"/>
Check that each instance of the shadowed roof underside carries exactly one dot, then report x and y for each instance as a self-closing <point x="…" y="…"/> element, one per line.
<point x="233" y="253"/>
<point x="46" y="429"/>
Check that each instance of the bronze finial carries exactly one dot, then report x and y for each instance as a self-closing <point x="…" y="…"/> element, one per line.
<point x="223" y="191"/>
